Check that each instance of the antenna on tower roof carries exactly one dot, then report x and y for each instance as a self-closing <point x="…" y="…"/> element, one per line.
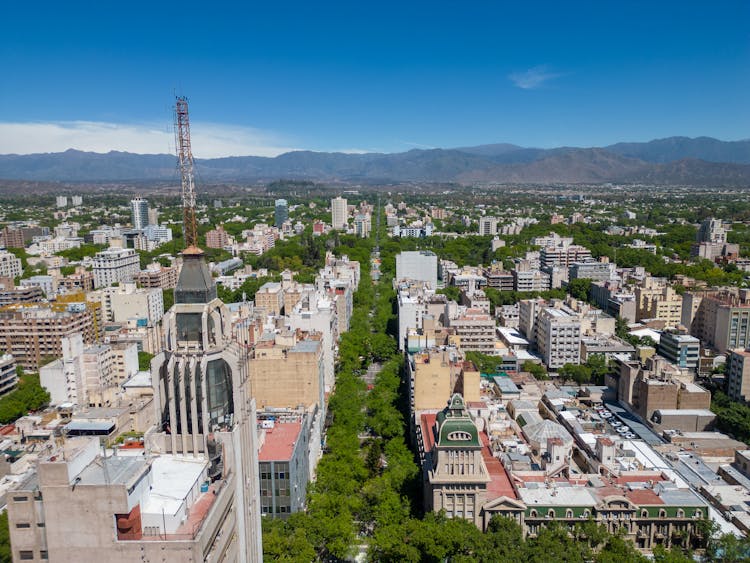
<point x="185" y="159"/>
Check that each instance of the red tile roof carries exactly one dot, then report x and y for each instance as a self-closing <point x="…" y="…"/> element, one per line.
<point x="500" y="485"/>
<point x="428" y="428"/>
<point x="279" y="442"/>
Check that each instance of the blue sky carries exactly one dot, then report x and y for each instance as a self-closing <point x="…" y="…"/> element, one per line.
<point x="266" y="77"/>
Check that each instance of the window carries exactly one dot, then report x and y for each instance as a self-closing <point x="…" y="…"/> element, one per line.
<point x="43" y="554"/>
<point x="662" y="513"/>
<point x="20" y="499"/>
<point x="644" y="513"/>
<point x="569" y="513"/>
<point x="550" y="513"/>
<point x="23" y="525"/>
<point x="26" y="555"/>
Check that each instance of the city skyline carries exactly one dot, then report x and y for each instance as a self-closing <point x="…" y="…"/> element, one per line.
<point x="346" y="78"/>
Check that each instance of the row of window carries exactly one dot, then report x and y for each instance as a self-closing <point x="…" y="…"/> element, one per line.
<point x="28" y="555"/>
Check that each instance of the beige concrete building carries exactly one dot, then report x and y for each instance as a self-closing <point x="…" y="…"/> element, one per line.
<point x="217" y="238"/>
<point x="722" y="319"/>
<point x="156" y="275"/>
<point x="206" y="412"/>
<point x="436" y="374"/>
<point x="475" y="330"/>
<point x="270" y="298"/>
<point x="286" y="372"/>
<point x="738" y="375"/>
<point x="84" y="507"/>
<point x="658" y="301"/>
<point x="34" y="332"/>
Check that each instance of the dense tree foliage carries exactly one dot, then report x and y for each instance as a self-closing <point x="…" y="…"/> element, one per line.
<point x="78" y="254"/>
<point x="144" y="361"/>
<point x="5" y="552"/>
<point x="28" y="396"/>
<point x="732" y="417"/>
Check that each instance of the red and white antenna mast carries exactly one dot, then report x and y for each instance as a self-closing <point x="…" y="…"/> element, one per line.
<point x="185" y="158"/>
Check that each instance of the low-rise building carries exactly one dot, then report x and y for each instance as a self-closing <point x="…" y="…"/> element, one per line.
<point x="682" y="350"/>
<point x="283" y="467"/>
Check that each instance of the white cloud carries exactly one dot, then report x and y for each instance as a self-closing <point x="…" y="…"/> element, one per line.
<point x="533" y="78"/>
<point x="209" y="140"/>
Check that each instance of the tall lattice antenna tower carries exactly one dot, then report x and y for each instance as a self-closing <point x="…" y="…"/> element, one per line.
<point x="185" y="158"/>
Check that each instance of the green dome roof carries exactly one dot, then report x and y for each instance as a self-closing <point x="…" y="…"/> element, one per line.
<point x="456" y="428"/>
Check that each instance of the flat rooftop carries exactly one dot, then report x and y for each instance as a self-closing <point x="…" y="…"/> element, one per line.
<point x="173" y="478"/>
<point x="113" y="470"/>
<point x="279" y="441"/>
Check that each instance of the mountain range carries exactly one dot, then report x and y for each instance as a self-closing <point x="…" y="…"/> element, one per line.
<point x="674" y="160"/>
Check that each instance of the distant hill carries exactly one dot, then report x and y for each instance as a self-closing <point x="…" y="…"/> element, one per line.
<point x="676" y="160"/>
<point x="680" y="148"/>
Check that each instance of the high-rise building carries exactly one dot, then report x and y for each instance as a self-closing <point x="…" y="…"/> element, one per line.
<point x="417" y="265"/>
<point x="156" y="275"/>
<point x="205" y="409"/>
<point x="153" y="216"/>
<point x="10" y="265"/>
<point x="339" y="213"/>
<point x="488" y="226"/>
<point x="712" y="230"/>
<point x="281" y="213"/>
<point x="139" y="212"/>
<point x="35" y="332"/>
<point x="115" y="265"/>
<point x="217" y="238"/>
<point x="362" y="225"/>
<point x="559" y="336"/>
<point x="738" y="375"/>
<point x="61" y="201"/>
<point x="76" y="200"/>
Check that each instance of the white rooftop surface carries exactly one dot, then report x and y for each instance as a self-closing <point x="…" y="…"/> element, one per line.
<point x="525" y="355"/>
<point x="172" y="480"/>
<point x="691" y="412"/>
<point x="589" y="438"/>
<point x="565" y="496"/>
<point x="655" y="335"/>
<point x="140" y="379"/>
<point x="512" y="336"/>
<point x="693" y="388"/>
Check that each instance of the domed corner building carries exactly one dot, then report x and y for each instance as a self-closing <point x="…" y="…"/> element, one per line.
<point x="458" y="476"/>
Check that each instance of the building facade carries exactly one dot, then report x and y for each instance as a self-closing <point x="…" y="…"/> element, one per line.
<point x="138" y="212"/>
<point x="115" y="265"/>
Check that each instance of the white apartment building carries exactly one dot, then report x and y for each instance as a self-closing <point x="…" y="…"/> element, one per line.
<point x="488" y="226"/>
<point x="417" y="265"/>
<point x="126" y="301"/>
<point x="85" y="375"/>
<point x="559" y="336"/>
<point x="476" y="330"/>
<point x="339" y="213"/>
<point x="157" y="233"/>
<point x="139" y="212"/>
<point x="115" y="265"/>
<point x="564" y="255"/>
<point x="10" y="266"/>
<point x="531" y="280"/>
